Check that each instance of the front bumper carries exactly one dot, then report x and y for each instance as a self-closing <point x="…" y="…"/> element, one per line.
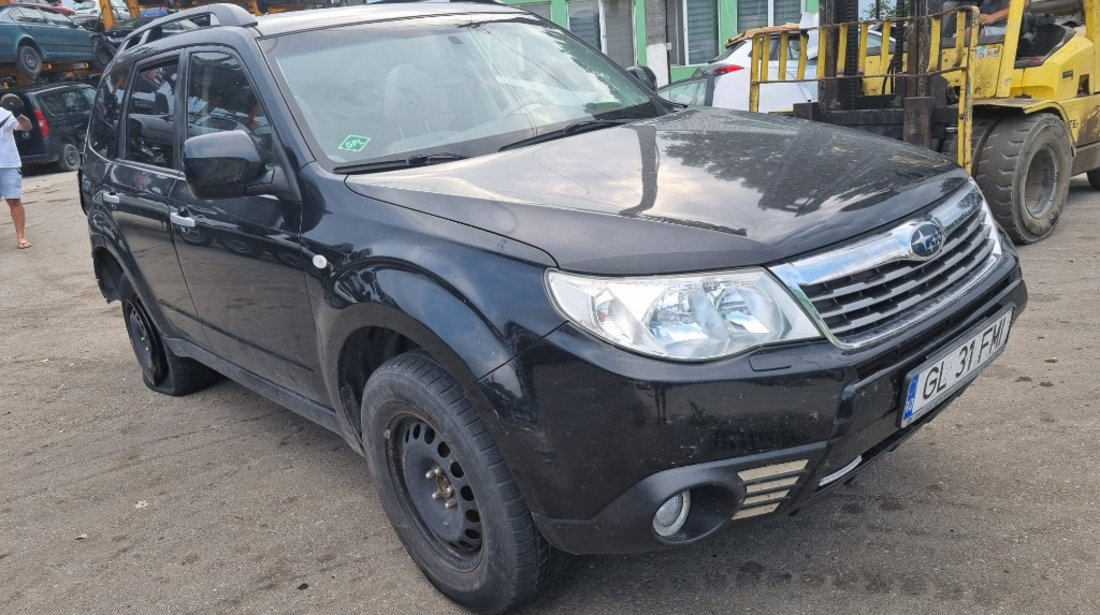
<point x="599" y="438"/>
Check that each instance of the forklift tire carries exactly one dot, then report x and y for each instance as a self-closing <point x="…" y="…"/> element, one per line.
<point x="28" y="60"/>
<point x="1023" y="170"/>
<point x="1094" y="178"/>
<point x="102" y="54"/>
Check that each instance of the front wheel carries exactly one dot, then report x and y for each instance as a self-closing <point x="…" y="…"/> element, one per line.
<point x="1024" y="170"/>
<point x="447" y="491"/>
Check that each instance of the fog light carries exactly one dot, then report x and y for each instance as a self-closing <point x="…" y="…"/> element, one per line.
<point x="672" y="514"/>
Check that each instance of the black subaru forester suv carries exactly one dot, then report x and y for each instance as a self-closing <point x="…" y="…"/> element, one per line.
<point x="555" y="313"/>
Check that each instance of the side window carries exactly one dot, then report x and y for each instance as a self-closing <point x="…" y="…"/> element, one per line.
<point x="220" y="98"/>
<point x="57" y="19"/>
<point x="33" y="16"/>
<point x="691" y="92"/>
<point x="150" y="115"/>
<point x="103" y="125"/>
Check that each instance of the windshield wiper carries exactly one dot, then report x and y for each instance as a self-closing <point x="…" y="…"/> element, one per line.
<point x="571" y="129"/>
<point x="416" y="160"/>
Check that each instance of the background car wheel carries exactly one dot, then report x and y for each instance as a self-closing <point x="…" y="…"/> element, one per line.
<point x="102" y="54"/>
<point x="69" y="160"/>
<point x="446" y="489"/>
<point x="1024" y="172"/>
<point x="161" y="369"/>
<point x="28" y="60"/>
<point x="1094" y="178"/>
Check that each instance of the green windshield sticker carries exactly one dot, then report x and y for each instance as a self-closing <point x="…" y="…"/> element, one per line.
<point x="354" y="143"/>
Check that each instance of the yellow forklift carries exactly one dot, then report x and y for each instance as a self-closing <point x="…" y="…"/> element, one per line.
<point x="1024" y="97"/>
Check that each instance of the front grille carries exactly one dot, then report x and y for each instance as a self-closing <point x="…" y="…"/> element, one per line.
<point x="876" y="287"/>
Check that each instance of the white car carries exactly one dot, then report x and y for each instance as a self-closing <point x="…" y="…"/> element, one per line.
<point x="724" y="82"/>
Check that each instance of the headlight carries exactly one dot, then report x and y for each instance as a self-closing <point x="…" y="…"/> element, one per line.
<point x="688" y="317"/>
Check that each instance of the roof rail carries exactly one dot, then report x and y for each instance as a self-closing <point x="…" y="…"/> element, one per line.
<point x="222" y="14"/>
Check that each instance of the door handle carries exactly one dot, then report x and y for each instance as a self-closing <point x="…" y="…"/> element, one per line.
<point x="110" y="197"/>
<point x="183" y="221"/>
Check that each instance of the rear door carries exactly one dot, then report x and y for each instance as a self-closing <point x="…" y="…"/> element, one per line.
<point x="74" y="42"/>
<point x="133" y="155"/>
<point x="46" y="35"/>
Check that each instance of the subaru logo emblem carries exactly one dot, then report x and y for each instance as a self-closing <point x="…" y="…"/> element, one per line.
<point x="926" y="240"/>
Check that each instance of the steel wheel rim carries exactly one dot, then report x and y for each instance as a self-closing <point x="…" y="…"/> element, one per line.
<point x="1041" y="182"/>
<point x="71" y="155"/>
<point x="423" y="467"/>
<point x="141" y="339"/>
<point x="30" y="58"/>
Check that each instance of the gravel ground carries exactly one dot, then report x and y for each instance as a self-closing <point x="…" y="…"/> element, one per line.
<point x="117" y="500"/>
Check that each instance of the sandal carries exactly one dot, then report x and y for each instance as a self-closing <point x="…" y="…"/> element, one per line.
<point x="24" y="244"/>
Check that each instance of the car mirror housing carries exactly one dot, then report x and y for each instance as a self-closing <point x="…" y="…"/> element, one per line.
<point x="645" y="75"/>
<point x="221" y="164"/>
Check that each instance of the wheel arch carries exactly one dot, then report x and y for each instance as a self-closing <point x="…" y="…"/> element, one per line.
<point x="405" y="310"/>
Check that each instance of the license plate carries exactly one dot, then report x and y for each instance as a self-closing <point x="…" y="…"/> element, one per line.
<point x="932" y="382"/>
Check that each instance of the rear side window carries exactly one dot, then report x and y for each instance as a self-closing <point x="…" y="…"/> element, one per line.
<point x="65" y="102"/>
<point x="150" y="115"/>
<point x="103" y="124"/>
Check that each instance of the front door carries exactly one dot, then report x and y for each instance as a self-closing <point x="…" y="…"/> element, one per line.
<point x="241" y="256"/>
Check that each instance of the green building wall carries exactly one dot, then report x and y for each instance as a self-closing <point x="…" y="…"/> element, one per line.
<point x="727" y="26"/>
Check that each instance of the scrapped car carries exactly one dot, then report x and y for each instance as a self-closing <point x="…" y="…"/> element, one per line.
<point x="555" y="313"/>
<point x="59" y="118"/>
<point x="32" y="34"/>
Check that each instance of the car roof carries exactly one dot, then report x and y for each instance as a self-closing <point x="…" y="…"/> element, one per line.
<point x="294" y="21"/>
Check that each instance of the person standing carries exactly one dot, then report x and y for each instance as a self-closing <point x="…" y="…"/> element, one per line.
<point x="11" y="177"/>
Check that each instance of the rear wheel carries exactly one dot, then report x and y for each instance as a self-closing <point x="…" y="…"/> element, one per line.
<point x="69" y="160"/>
<point x="28" y="60"/>
<point x="447" y="491"/>
<point x="161" y="369"/>
<point x="1024" y="172"/>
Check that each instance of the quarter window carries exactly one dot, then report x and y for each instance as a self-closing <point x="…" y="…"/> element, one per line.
<point x="103" y="124"/>
<point x="150" y="115"/>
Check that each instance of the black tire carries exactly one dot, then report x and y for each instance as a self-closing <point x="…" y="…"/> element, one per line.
<point x="69" y="160"/>
<point x="28" y="60"/>
<point x="1024" y="170"/>
<point x="1094" y="178"/>
<point x="161" y="369"/>
<point x="102" y="54"/>
<point x="477" y="543"/>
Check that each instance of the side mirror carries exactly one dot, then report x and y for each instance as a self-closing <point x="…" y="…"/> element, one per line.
<point x="645" y="75"/>
<point x="222" y="165"/>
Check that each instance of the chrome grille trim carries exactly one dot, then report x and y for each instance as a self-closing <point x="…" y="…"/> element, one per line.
<point x="872" y="289"/>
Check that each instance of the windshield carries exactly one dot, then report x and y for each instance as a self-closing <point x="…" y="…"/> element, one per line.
<point x="462" y="84"/>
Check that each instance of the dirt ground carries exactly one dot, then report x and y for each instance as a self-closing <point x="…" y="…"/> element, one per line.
<point x="114" y="499"/>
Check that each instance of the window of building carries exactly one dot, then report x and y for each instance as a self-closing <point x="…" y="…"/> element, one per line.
<point x="607" y="25"/>
<point x="692" y="28"/>
<point x="761" y="13"/>
<point x="542" y="9"/>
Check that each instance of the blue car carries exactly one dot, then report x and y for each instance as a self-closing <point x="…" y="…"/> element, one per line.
<point x="31" y="35"/>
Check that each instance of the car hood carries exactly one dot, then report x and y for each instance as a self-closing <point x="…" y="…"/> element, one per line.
<point x="695" y="190"/>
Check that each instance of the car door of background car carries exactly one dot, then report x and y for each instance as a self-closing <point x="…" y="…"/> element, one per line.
<point x="138" y="172"/>
<point x="242" y="256"/>
<point x="75" y="42"/>
<point x="34" y="23"/>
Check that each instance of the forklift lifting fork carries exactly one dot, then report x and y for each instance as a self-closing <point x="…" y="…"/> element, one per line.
<point x="1026" y="104"/>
